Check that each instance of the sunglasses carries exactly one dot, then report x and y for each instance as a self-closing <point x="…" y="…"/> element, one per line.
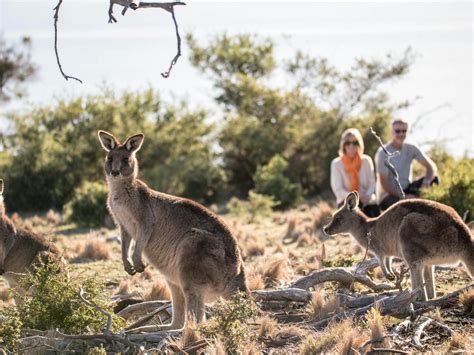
<point x="356" y="143"/>
<point x="398" y="131"/>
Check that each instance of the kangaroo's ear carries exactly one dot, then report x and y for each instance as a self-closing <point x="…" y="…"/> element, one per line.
<point x="134" y="143"/>
<point x="1" y="186"/>
<point x="107" y="140"/>
<point x="352" y="200"/>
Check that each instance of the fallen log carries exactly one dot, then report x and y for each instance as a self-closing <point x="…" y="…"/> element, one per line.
<point x="286" y="294"/>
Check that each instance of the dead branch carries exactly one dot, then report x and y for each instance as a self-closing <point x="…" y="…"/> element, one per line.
<point x="148" y="317"/>
<point x="56" y="17"/>
<point x="97" y="307"/>
<point x="448" y="300"/>
<point x="167" y="6"/>
<point x="369" y="238"/>
<point x="386" y="350"/>
<point x="417" y="335"/>
<point x="340" y="275"/>
<point x="286" y="294"/>
<point x="140" y="308"/>
<point x="154" y="337"/>
<point x="390" y="166"/>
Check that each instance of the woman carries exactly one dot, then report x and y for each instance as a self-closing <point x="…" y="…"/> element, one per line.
<point x="354" y="171"/>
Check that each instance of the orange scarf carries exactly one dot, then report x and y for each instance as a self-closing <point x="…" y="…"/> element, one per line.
<point x="352" y="167"/>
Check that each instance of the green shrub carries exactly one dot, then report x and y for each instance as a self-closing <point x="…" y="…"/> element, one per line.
<point x="230" y="322"/>
<point x="257" y="206"/>
<point x="88" y="206"/>
<point x="457" y="186"/>
<point x="271" y="180"/>
<point x="10" y="326"/>
<point x="55" y="302"/>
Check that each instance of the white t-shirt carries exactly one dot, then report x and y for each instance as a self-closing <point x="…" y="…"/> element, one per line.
<point x="402" y="163"/>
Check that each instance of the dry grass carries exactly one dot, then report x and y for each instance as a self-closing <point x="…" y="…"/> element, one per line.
<point x="322" y="307"/>
<point x="376" y="325"/>
<point x="322" y="213"/>
<point x="53" y="217"/>
<point x="159" y="291"/>
<point x="268" y="327"/>
<point x="467" y="301"/>
<point x="274" y="272"/>
<point x="189" y="335"/>
<point x="351" y="343"/>
<point x="326" y="341"/>
<point x="95" y="250"/>
<point x="255" y="248"/>
<point x="304" y="240"/>
<point x="123" y="287"/>
<point x="255" y="282"/>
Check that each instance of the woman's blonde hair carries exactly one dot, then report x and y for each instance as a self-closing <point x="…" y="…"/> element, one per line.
<point x="344" y="138"/>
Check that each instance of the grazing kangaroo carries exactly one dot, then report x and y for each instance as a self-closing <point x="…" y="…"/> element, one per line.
<point x="190" y="245"/>
<point x="423" y="233"/>
<point x="20" y="250"/>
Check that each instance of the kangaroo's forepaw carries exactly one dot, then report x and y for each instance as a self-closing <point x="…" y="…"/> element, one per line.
<point x="129" y="269"/>
<point x="139" y="267"/>
<point x="391" y="277"/>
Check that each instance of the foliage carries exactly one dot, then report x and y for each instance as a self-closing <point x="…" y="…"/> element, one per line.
<point x="53" y="149"/>
<point x="457" y="183"/>
<point x="88" y="206"/>
<point x="55" y="302"/>
<point x="10" y="327"/>
<point x="301" y="121"/>
<point x="271" y="180"/>
<point x="15" y="68"/>
<point x="341" y="261"/>
<point x="257" y="206"/>
<point x="230" y="322"/>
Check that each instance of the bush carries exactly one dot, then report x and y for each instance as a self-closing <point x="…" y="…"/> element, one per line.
<point x="55" y="302"/>
<point x="457" y="186"/>
<point x="257" y="206"/>
<point x="88" y="206"/>
<point x="10" y="327"/>
<point x="271" y="180"/>
<point x="230" y="322"/>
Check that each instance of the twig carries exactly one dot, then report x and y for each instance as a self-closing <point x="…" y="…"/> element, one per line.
<point x="389" y="165"/>
<point x="56" y="17"/>
<point x="97" y="307"/>
<point x="386" y="350"/>
<point x="167" y="6"/>
<point x="146" y="318"/>
<point x="417" y="335"/>
<point x="369" y="237"/>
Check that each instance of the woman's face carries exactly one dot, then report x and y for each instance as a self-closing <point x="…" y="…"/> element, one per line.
<point x="351" y="146"/>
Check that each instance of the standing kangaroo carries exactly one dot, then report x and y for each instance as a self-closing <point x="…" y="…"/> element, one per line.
<point x="190" y="245"/>
<point x="423" y="233"/>
<point x="20" y="250"/>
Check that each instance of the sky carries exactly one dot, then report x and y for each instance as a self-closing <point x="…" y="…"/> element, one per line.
<point x="132" y="53"/>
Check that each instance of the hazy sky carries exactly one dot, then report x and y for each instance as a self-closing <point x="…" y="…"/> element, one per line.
<point x="133" y="52"/>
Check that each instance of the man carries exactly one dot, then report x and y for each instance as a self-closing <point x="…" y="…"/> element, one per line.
<point x="387" y="193"/>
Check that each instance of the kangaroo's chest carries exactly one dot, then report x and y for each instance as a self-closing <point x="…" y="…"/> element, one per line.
<point x="124" y="215"/>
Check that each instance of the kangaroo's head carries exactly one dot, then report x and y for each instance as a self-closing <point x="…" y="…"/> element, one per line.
<point x="346" y="217"/>
<point x="120" y="161"/>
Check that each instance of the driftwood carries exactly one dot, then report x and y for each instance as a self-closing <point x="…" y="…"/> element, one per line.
<point x="287" y="294"/>
<point x="340" y="275"/>
<point x="141" y="308"/>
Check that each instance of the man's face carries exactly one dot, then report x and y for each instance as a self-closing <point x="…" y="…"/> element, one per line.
<point x="399" y="132"/>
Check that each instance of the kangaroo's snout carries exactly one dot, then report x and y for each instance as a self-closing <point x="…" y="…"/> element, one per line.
<point x="115" y="173"/>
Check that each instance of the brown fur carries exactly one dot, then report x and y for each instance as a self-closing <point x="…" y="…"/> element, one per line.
<point x="422" y="233"/>
<point x="20" y="250"/>
<point x="189" y="244"/>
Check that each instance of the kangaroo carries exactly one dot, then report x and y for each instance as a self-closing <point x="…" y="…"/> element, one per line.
<point x="20" y="250"/>
<point x="190" y="245"/>
<point x="422" y="233"/>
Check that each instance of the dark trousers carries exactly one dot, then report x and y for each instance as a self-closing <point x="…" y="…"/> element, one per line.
<point x="412" y="189"/>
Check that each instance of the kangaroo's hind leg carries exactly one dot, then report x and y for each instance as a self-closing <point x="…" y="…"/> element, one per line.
<point x="416" y="274"/>
<point x="428" y="274"/>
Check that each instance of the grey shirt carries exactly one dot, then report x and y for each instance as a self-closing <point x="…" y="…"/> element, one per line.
<point x="402" y="163"/>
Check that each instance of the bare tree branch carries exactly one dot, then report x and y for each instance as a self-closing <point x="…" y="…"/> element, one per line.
<point x="56" y="17"/>
<point x="167" y="6"/>
<point x="100" y="309"/>
<point x="389" y="165"/>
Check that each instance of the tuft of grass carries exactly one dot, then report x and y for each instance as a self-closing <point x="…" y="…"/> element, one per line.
<point x="322" y="215"/>
<point x="326" y="341"/>
<point x="255" y="282"/>
<point x="268" y="327"/>
<point x="304" y="239"/>
<point x="95" y="250"/>
<point x="255" y="248"/>
<point x="189" y="335"/>
<point x="376" y="325"/>
<point x="123" y="287"/>
<point x="53" y="217"/>
<point x="467" y="301"/>
<point x="321" y="308"/>
<point x="274" y="273"/>
<point x="159" y="291"/>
